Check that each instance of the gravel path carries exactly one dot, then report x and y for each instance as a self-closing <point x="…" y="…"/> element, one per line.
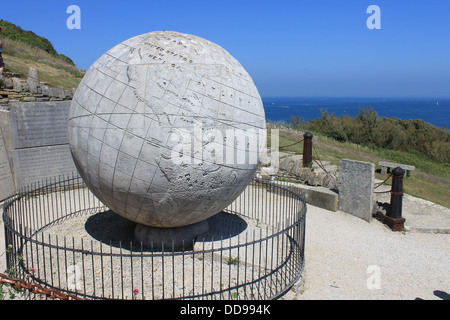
<point x="348" y="258"/>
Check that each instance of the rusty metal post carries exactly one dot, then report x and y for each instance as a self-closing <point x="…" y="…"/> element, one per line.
<point x="394" y="217"/>
<point x="307" y="149"/>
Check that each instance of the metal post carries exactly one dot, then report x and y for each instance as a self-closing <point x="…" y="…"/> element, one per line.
<point x="307" y="149"/>
<point x="394" y="217"/>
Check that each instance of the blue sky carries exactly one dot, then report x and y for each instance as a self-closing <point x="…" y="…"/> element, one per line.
<point x="290" y="48"/>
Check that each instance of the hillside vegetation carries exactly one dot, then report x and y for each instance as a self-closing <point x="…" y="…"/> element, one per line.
<point x="370" y="138"/>
<point x="24" y="49"/>
<point x="416" y="137"/>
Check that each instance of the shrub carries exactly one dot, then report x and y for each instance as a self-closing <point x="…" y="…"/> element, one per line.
<point x="369" y="130"/>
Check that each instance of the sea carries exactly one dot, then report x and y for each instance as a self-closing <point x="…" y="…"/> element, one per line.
<point x="434" y="111"/>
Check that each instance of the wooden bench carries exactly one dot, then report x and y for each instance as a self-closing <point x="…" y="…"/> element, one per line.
<point x="386" y="166"/>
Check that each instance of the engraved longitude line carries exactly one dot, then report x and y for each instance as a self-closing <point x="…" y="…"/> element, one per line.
<point x="221" y="65"/>
<point x="165" y="146"/>
<point x="178" y="112"/>
<point x="221" y="84"/>
<point x="90" y="125"/>
<point x="118" y="149"/>
<point x="108" y="54"/>
<point x="220" y="95"/>
<point x="147" y="115"/>
<point x="202" y="95"/>
<point x="160" y="146"/>
<point x="140" y="151"/>
<point x="95" y="113"/>
<point x="113" y="125"/>
<point x="102" y="95"/>
<point x="132" y="175"/>
<point x="244" y="93"/>
<point x="93" y="90"/>
<point x="220" y="101"/>
<point x="108" y="123"/>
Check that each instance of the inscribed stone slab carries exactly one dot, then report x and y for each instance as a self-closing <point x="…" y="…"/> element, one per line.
<point x="356" y="183"/>
<point x="32" y="165"/>
<point x="6" y="179"/>
<point x="39" y="123"/>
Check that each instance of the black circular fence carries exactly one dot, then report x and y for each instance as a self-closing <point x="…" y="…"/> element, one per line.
<point x="60" y="236"/>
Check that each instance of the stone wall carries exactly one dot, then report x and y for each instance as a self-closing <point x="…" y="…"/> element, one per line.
<point x="33" y="144"/>
<point x="26" y="156"/>
<point x="291" y="169"/>
<point x="31" y="90"/>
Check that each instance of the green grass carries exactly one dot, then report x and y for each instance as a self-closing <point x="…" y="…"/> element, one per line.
<point x="53" y="76"/>
<point x="430" y="180"/>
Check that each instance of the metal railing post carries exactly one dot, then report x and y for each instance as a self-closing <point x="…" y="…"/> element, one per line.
<point x="394" y="217"/>
<point x="307" y="149"/>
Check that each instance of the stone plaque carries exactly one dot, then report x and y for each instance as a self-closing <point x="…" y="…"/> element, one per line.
<point x="32" y="165"/>
<point x="39" y="123"/>
<point x="6" y="179"/>
<point x="356" y="184"/>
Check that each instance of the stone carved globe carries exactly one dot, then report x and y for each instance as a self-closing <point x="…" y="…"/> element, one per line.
<point x="151" y="129"/>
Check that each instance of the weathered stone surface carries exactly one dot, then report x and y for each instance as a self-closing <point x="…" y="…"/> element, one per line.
<point x="29" y="99"/>
<point x="54" y="92"/>
<point x="143" y="126"/>
<point x="25" y="87"/>
<point x="6" y="179"/>
<point x="317" y="196"/>
<point x="39" y="124"/>
<point x="318" y="174"/>
<point x="315" y="179"/>
<point x="302" y="174"/>
<point x="33" y="80"/>
<point x="44" y="87"/>
<point x="32" y="89"/>
<point x="324" y="198"/>
<point x="32" y="165"/>
<point x="68" y="94"/>
<point x="61" y="93"/>
<point x="329" y="181"/>
<point x="291" y="163"/>
<point x="36" y="141"/>
<point x="17" y="85"/>
<point x="356" y="187"/>
<point x="5" y="125"/>
<point x="8" y="83"/>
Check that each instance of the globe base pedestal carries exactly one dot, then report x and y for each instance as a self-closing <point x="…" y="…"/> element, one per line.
<point x="170" y="239"/>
